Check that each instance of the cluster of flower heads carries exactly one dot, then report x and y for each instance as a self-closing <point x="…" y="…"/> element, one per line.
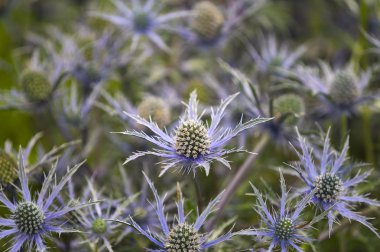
<point x="68" y="77"/>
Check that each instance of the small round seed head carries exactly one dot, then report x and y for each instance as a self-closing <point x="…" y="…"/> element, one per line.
<point x="290" y="105"/>
<point x="208" y="20"/>
<point x="183" y="238"/>
<point x="204" y="94"/>
<point x="192" y="139"/>
<point x="328" y="187"/>
<point x="141" y="21"/>
<point x="156" y="109"/>
<point x="36" y="86"/>
<point x="8" y="168"/>
<point x="28" y="218"/>
<point x="99" y="226"/>
<point x="284" y="229"/>
<point x="343" y="90"/>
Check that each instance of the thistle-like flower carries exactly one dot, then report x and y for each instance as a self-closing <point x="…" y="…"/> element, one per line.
<point x="37" y="85"/>
<point x="341" y="90"/>
<point x="139" y="20"/>
<point x="8" y="158"/>
<point x="193" y="144"/>
<point x="211" y="25"/>
<point x="291" y="105"/>
<point x="34" y="218"/>
<point x="287" y="109"/>
<point x="182" y="236"/>
<point x="327" y="174"/>
<point x="271" y="57"/>
<point x="94" y="219"/>
<point x="284" y="228"/>
<point x="156" y="109"/>
<point x="87" y="58"/>
<point x="8" y="168"/>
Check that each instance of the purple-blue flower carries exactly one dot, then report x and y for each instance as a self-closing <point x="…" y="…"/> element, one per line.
<point x="341" y="90"/>
<point x="93" y="220"/>
<point x="142" y="20"/>
<point x="193" y="144"/>
<point x="33" y="219"/>
<point x="181" y="235"/>
<point x="328" y="174"/>
<point x="285" y="228"/>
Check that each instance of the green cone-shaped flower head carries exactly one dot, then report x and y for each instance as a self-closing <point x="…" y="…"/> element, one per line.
<point x="343" y="90"/>
<point x="208" y="20"/>
<point x="36" y="86"/>
<point x="156" y="109"/>
<point x="8" y="168"/>
<point x="289" y="105"/>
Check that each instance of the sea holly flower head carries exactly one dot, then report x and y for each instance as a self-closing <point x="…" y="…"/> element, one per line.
<point x="183" y="235"/>
<point x="327" y="174"/>
<point x="142" y="20"/>
<point x="93" y="220"/>
<point x="8" y="168"/>
<point x="287" y="109"/>
<point x="194" y="143"/>
<point x="9" y="161"/>
<point x="37" y="85"/>
<point x="271" y="57"/>
<point x="285" y="228"/>
<point x="342" y="90"/>
<point x="155" y="108"/>
<point x="34" y="218"/>
<point x="211" y="25"/>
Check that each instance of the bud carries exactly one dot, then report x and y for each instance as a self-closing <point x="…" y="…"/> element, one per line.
<point x="192" y="139"/>
<point x="183" y="238"/>
<point x="208" y="20"/>
<point x="343" y="90"/>
<point x="289" y="105"/>
<point x="155" y="108"/>
<point x="8" y="168"/>
<point x="28" y="218"/>
<point x="36" y="86"/>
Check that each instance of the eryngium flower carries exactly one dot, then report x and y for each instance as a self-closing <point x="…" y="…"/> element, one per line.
<point x="207" y="20"/>
<point x="156" y="109"/>
<point x="327" y="174"/>
<point x="271" y="57"/>
<point x="289" y="108"/>
<point x="93" y="220"/>
<point x="8" y="168"/>
<point x="142" y="20"/>
<point x="33" y="219"/>
<point x="193" y="144"/>
<point x="342" y="90"/>
<point x="36" y="86"/>
<point x="284" y="228"/>
<point x="182" y="236"/>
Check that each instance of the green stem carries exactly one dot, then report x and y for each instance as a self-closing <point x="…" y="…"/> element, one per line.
<point x="369" y="154"/>
<point x="343" y="129"/>
<point x="241" y="175"/>
<point x="198" y="193"/>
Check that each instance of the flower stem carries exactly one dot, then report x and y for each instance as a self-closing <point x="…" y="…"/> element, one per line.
<point x="198" y="190"/>
<point x="343" y="128"/>
<point x="367" y="136"/>
<point x="240" y="176"/>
